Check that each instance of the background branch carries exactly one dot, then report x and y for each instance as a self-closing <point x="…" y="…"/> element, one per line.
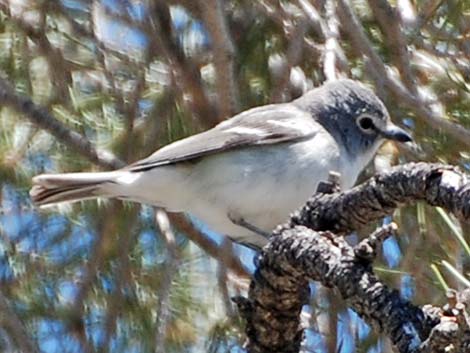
<point x="15" y="327"/>
<point x="171" y="266"/>
<point x="223" y="50"/>
<point x="42" y="118"/>
<point x="362" y="45"/>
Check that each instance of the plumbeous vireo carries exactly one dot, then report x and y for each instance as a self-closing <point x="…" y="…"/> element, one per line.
<point x="253" y="169"/>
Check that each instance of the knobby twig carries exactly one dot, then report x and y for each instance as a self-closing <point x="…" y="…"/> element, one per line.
<point x="437" y="184"/>
<point x="454" y="321"/>
<point x="299" y="252"/>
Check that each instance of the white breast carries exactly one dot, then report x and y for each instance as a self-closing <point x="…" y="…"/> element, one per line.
<point x="262" y="184"/>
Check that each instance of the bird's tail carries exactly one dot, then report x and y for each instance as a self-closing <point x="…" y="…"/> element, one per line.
<point x="50" y="189"/>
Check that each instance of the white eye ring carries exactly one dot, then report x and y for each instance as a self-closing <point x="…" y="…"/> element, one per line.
<point x="365" y="123"/>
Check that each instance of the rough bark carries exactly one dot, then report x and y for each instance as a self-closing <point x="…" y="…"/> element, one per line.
<point x="437" y="184"/>
<point x="306" y="249"/>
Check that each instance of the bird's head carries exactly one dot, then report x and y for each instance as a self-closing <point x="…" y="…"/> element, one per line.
<point x="354" y="116"/>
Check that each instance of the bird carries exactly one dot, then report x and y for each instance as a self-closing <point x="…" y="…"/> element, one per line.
<point x="247" y="174"/>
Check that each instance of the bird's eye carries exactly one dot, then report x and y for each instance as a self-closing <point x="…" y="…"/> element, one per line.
<point x="365" y="123"/>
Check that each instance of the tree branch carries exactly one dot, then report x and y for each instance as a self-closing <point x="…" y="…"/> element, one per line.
<point x="298" y="252"/>
<point x="437" y="184"/>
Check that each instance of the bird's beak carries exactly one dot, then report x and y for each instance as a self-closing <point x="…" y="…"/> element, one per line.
<point x="393" y="132"/>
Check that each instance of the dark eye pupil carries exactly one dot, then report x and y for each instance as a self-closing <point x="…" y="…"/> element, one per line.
<point x="366" y="123"/>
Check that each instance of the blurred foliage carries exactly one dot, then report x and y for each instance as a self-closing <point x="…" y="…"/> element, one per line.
<point x="132" y="76"/>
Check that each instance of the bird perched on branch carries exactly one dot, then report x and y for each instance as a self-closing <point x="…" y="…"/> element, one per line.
<point x="244" y="176"/>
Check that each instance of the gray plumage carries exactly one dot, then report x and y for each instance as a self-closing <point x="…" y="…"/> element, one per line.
<point x="256" y="167"/>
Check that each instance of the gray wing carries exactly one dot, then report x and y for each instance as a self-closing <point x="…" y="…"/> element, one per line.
<point x="263" y="125"/>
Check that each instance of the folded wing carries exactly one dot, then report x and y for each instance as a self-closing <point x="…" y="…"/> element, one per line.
<point x="263" y="125"/>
